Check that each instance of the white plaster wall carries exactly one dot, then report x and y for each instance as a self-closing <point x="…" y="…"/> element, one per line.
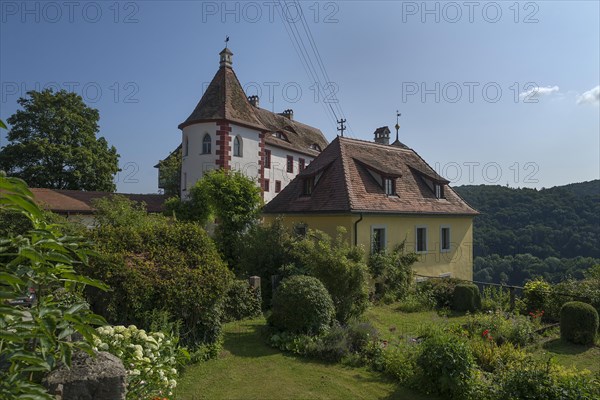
<point x="247" y="164"/>
<point x="195" y="164"/>
<point x="278" y="170"/>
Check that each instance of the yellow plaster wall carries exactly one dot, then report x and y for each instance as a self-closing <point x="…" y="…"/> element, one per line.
<point x="458" y="261"/>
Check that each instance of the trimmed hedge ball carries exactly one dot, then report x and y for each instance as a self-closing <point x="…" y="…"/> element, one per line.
<point x="578" y="322"/>
<point x="301" y="304"/>
<point x="466" y="297"/>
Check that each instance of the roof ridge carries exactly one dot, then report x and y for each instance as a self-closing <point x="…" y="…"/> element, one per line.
<point x="385" y="146"/>
<point x="346" y="175"/>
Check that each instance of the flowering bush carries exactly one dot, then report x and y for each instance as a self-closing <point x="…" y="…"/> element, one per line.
<point x="151" y="359"/>
<point x="501" y="327"/>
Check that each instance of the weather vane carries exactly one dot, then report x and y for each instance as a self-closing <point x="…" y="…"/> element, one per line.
<point x="397" y="123"/>
<point x="226" y="40"/>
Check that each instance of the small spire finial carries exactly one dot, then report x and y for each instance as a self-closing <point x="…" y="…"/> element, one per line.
<point x="397" y="123"/>
<point x="226" y="41"/>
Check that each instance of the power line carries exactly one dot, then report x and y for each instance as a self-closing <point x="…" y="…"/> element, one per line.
<point x="305" y="62"/>
<point x="320" y="61"/>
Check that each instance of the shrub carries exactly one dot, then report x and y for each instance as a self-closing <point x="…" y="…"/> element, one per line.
<point x="417" y="301"/>
<point x="242" y="301"/>
<point x="536" y="295"/>
<point x="586" y="290"/>
<point x="301" y="304"/>
<point x="339" y="267"/>
<point x="501" y="328"/>
<point x="151" y="359"/>
<point x="36" y="340"/>
<point x="393" y="271"/>
<point x="442" y="290"/>
<point x="495" y="298"/>
<point x="466" y="297"/>
<point x="168" y="266"/>
<point x="400" y="361"/>
<point x="578" y="322"/>
<point x="264" y="250"/>
<point x="334" y="344"/>
<point x="446" y="365"/>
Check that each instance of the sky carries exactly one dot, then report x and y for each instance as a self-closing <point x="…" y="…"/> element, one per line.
<point x="489" y="92"/>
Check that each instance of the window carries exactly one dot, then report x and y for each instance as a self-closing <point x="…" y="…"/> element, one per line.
<point x="277" y="186"/>
<point x="267" y="158"/>
<point x="445" y="238"/>
<point x="421" y="239"/>
<point x="390" y="186"/>
<point x="290" y="164"/>
<point x="302" y="164"/>
<point x="315" y="146"/>
<point x="280" y="135"/>
<point x="266" y="185"/>
<point x="439" y="191"/>
<point x="377" y="239"/>
<point x="186" y="145"/>
<point x="309" y="184"/>
<point x="237" y="146"/>
<point x="206" y="144"/>
<point x="184" y="184"/>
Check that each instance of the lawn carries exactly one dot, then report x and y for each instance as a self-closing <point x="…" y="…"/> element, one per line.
<point x="392" y="323"/>
<point x="249" y="369"/>
<point x="569" y="355"/>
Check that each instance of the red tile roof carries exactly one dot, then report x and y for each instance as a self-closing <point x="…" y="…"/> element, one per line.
<point x="224" y="99"/>
<point x="345" y="183"/>
<point x="79" y="202"/>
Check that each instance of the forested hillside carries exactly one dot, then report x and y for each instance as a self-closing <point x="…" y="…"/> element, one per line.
<point x="557" y="228"/>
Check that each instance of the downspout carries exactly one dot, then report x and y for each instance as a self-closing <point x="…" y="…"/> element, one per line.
<point x="355" y="229"/>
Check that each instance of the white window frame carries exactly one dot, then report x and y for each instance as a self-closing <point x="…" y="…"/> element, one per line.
<point x="204" y="143"/>
<point x="385" y="236"/>
<point x="240" y="147"/>
<point x="442" y="249"/>
<point x="417" y="227"/>
<point x="388" y="183"/>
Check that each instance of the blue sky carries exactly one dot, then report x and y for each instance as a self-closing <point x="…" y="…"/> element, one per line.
<point x="490" y="92"/>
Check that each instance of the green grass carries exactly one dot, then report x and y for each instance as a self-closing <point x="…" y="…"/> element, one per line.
<point x="249" y="369"/>
<point x="392" y="323"/>
<point x="569" y="354"/>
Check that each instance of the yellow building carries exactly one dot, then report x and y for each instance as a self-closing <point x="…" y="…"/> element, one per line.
<point x="382" y="195"/>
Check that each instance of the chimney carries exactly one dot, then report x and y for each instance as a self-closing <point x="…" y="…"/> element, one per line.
<point x="253" y="100"/>
<point x="289" y="113"/>
<point x="382" y="135"/>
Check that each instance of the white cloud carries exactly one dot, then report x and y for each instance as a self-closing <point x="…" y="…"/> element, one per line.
<point x="592" y="96"/>
<point x="536" y="92"/>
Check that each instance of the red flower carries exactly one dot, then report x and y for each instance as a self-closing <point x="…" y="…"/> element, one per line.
<point x="485" y="333"/>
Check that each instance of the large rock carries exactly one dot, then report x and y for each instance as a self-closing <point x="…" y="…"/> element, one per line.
<point x="89" y="378"/>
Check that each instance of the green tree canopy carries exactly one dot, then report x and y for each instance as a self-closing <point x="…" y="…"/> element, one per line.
<point x="53" y="144"/>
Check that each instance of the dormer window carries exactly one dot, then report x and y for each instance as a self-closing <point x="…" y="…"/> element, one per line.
<point x="389" y="185"/>
<point x="280" y="135"/>
<point x="316" y="147"/>
<point x="308" y="186"/>
<point x="439" y="191"/>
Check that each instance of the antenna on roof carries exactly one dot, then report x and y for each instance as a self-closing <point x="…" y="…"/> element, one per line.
<point x="397" y="123"/>
<point x="226" y="40"/>
<point x="342" y="127"/>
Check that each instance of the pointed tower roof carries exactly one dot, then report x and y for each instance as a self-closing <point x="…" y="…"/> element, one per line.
<point x="224" y="99"/>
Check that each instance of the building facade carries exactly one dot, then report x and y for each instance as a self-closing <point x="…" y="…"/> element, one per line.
<point x="229" y="130"/>
<point x="383" y="195"/>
